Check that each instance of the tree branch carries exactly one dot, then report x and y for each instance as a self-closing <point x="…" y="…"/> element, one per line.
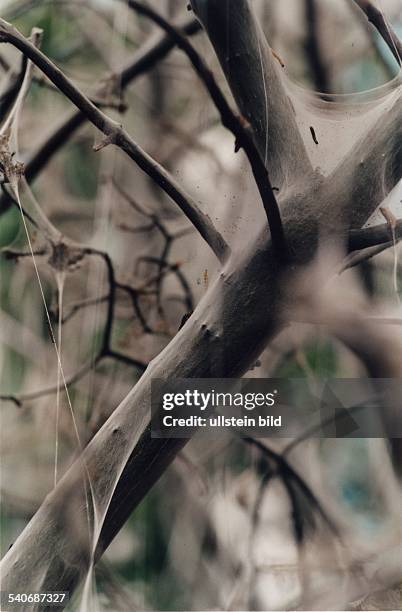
<point x="254" y="76"/>
<point x="313" y="48"/>
<point x="231" y="121"/>
<point x="10" y="94"/>
<point x="286" y="471"/>
<point x="384" y="28"/>
<point x="115" y="134"/>
<point x="358" y="257"/>
<point x="373" y="236"/>
<point x="364" y="178"/>
<point x="143" y="60"/>
<point x="106" y="350"/>
<point x="243" y="309"/>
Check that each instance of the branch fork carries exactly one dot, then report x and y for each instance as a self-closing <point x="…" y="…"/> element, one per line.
<point x="116" y="134"/>
<point x="111" y="138"/>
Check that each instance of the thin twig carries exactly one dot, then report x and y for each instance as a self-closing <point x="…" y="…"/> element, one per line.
<point x="373" y="40"/>
<point x="175" y="269"/>
<point x="143" y="60"/>
<point x="114" y="133"/>
<point x="231" y="121"/>
<point x="106" y="350"/>
<point x="370" y="241"/>
<point x="8" y="98"/>
<point x="155" y="223"/>
<point x="285" y="470"/>
<point x="358" y="257"/>
<point x="373" y="236"/>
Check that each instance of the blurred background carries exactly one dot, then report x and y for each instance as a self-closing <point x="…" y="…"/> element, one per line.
<point x="209" y="535"/>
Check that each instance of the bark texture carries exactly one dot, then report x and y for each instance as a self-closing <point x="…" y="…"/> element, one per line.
<point x="242" y="310"/>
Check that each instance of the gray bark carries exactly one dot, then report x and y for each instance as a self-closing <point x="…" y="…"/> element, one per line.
<point x="243" y="309"/>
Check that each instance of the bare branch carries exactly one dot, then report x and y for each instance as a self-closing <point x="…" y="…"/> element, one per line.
<point x="368" y="173"/>
<point x="254" y="76"/>
<point x="106" y="350"/>
<point x="114" y="133"/>
<point x="384" y="28"/>
<point x="358" y="257"/>
<point x="372" y="236"/>
<point x="240" y="313"/>
<point x="8" y="97"/>
<point x="232" y="122"/>
<point x="312" y="45"/>
<point x="143" y="60"/>
<point x="290" y="475"/>
<point x="369" y="242"/>
<point x="169" y="238"/>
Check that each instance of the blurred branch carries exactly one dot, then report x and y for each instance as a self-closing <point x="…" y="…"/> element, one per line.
<point x="385" y="29"/>
<point x="142" y="61"/>
<point x="285" y="471"/>
<point x="175" y="269"/>
<point x="16" y="255"/>
<point x="358" y="257"/>
<point x="373" y="40"/>
<point x="106" y="350"/>
<point x="372" y="236"/>
<point x="8" y="98"/>
<point x="95" y="29"/>
<point x="14" y="505"/>
<point x="19" y="399"/>
<point x="65" y="252"/>
<point x="240" y="313"/>
<point x="235" y="124"/>
<point x="368" y="242"/>
<point x="134" y="293"/>
<point x="115" y="134"/>
<point x="312" y="45"/>
<point x="169" y="239"/>
<point x="381" y="354"/>
<point x="78" y="306"/>
<point x="4" y="65"/>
